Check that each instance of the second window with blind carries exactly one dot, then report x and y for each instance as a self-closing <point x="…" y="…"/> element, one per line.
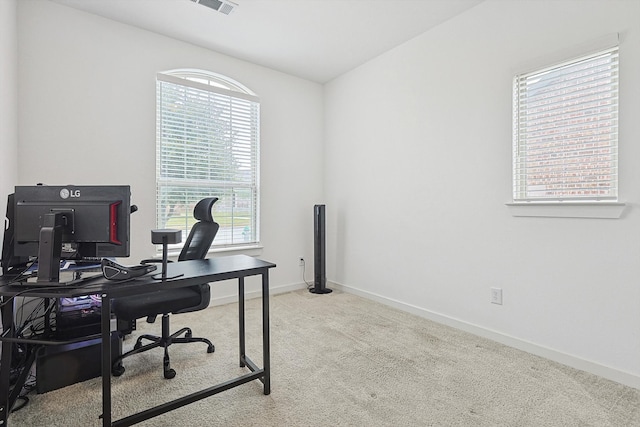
<point x="565" y="131"/>
<point x="207" y="145"/>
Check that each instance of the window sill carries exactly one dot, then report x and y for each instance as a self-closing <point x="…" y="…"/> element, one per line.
<point x="609" y="210"/>
<point x="251" y="250"/>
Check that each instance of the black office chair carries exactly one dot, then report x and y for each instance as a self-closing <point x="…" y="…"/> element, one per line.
<point x="174" y="301"/>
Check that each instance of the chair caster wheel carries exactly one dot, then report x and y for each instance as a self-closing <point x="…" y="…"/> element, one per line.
<point x="169" y="374"/>
<point x="117" y="370"/>
<point x="188" y="334"/>
<point x="211" y="349"/>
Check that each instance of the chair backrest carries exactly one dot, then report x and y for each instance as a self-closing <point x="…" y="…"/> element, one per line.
<point x="202" y="233"/>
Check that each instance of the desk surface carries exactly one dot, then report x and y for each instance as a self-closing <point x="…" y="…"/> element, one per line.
<point x="191" y="272"/>
<point x="195" y="271"/>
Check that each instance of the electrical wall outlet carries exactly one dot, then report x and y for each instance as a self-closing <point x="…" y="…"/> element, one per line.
<point x="300" y="261"/>
<point x="496" y="296"/>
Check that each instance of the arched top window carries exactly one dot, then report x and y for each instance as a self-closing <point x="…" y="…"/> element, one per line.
<point x="207" y="145"/>
<point x="211" y="79"/>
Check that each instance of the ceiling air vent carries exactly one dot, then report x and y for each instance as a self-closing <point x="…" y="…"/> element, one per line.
<point x="224" y="6"/>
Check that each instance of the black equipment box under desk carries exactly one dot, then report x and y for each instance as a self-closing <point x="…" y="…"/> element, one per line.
<point x="58" y="366"/>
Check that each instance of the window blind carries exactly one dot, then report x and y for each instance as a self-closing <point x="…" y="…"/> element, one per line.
<point x="565" y="131"/>
<point x="207" y="145"/>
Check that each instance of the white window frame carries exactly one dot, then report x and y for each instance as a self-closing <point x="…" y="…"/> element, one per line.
<point x="565" y="131"/>
<point x="566" y="208"/>
<point x="218" y="158"/>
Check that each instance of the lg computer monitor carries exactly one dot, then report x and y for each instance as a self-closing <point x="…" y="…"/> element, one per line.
<point x="70" y="222"/>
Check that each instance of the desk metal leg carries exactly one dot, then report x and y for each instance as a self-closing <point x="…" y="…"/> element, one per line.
<point x="265" y="333"/>
<point x="105" y="319"/>
<point x="5" y="363"/>
<point x="241" y="338"/>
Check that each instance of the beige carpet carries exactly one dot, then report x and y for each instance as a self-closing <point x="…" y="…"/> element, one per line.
<point x="341" y="360"/>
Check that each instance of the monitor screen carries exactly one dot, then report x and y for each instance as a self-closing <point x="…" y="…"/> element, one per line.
<point x="91" y="221"/>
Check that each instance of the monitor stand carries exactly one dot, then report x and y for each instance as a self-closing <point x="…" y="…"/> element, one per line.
<point x="50" y="247"/>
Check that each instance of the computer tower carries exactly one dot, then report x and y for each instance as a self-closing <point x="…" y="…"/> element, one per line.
<point x="58" y="366"/>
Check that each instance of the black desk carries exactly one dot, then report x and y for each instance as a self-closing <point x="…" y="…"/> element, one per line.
<point x="193" y="272"/>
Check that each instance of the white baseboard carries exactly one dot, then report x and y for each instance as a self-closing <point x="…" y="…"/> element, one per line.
<point x="607" y="372"/>
<point x="273" y="290"/>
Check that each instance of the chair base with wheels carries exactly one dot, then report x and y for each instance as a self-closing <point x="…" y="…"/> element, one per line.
<point x="161" y="341"/>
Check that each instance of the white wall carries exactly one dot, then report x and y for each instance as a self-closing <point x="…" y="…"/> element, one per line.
<point x="8" y="102"/>
<point x="416" y="166"/>
<point x="87" y="116"/>
<point x="418" y="171"/>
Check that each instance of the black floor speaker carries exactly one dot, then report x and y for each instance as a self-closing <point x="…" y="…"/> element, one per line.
<point x="319" y="252"/>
